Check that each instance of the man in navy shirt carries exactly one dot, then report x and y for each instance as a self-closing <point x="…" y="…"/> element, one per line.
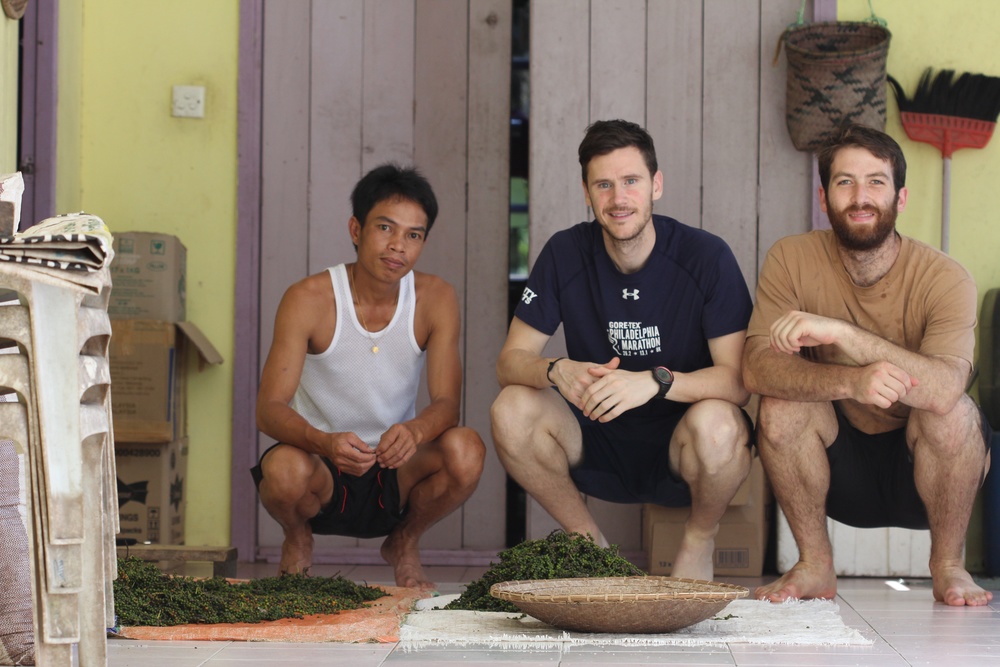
<point x="648" y="401"/>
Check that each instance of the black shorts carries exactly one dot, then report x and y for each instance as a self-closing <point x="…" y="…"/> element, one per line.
<point x="365" y="506"/>
<point x="628" y="460"/>
<point x="871" y="478"/>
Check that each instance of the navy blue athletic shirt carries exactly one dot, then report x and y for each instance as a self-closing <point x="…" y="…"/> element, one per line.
<point x="689" y="291"/>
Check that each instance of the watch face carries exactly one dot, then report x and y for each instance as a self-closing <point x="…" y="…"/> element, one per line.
<point x="663" y="375"/>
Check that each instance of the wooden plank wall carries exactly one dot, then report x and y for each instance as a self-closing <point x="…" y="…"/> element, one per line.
<point x="699" y="77"/>
<point x="348" y="85"/>
<point x="488" y="231"/>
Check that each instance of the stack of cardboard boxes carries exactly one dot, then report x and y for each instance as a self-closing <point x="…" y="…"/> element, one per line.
<point x="150" y="342"/>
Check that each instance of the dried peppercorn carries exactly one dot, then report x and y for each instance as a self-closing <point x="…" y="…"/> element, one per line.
<point x="560" y="555"/>
<point x="145" y="596"/>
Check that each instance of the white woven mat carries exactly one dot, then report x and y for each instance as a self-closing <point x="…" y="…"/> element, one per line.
<point x="811" y="622"/>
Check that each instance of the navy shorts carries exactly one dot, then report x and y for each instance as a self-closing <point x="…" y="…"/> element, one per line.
<point x="365" y="506"/>
<point x="628" y="460"/>
<point x="871" y="478"/>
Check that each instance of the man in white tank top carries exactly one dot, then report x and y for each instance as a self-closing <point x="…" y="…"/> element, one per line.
<point x="338" y="390"/>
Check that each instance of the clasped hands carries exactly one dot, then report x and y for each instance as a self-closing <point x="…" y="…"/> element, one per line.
<point x="603" y="391"/>
<point x="352" y="456"/>
<point x="879" y="383"/>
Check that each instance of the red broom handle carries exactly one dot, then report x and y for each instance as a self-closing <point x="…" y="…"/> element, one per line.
<point x="946" y="205"/>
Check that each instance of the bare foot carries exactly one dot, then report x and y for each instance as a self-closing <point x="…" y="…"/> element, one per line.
<point x="405" y="561"/>
<point x="296" y="556"/>
<point x="694" y="558"/>
<point x="802" y="582"/>
<point x="954" y="586"/>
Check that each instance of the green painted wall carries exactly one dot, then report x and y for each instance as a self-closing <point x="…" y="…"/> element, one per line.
<point x="130" y="162"/>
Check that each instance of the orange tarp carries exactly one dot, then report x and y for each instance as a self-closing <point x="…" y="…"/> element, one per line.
<point x="378" y="622"/>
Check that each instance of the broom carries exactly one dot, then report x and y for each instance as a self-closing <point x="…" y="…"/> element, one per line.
<point x="950" y="113"/>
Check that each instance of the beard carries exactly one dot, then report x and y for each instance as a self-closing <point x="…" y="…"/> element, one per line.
<point x="868" y="237"/>
<point x="626" y="236"/>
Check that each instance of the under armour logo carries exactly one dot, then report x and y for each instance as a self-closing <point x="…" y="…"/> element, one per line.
<point x="634" y="294"/>
<point x="527" y="295"/>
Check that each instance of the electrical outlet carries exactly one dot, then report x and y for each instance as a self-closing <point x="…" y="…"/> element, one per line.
<point x="189" y="102"/>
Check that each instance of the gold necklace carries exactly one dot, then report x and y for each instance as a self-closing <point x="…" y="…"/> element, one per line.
<point x="357" y="302"/>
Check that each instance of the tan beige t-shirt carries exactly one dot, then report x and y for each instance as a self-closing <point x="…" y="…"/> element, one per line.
<point x="926" y="304"/>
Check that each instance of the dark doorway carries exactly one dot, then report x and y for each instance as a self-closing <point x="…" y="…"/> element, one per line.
<point x="518" y="262"/>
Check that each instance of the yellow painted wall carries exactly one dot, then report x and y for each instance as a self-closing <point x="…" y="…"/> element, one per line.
<point x="142" y="169"/>
<point x="69" y="119"/>
<point x="8" y="95"/>
<point x="960" y="36"/>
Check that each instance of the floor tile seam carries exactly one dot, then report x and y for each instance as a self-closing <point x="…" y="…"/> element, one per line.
<point x="948" y="653"/>
<point x="385" y="657"/>
<point x="939" y="616"/>
<point x="924" y="636"/>
<point x="858" y="621"/>
<point x="216" y="654"/>
<point x="876" y="650"/>
<point x="732" y="655"/>
<point x="871" y="628"/>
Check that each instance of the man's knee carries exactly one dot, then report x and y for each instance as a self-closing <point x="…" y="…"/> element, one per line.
<point x="285" y="473"/>
<point x="515" y="409"/>
<point x="713" y="438"/>
<point x="719" y="423"/>
<point x="510" y="403"/>
<point x="464" y="454"/>
<point x="949" y="433"/>
<point x="781" y="422"/>
<point x="717" y="427"/>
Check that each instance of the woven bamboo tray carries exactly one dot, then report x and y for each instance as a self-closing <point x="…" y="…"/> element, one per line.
<point x="619" y="604"/>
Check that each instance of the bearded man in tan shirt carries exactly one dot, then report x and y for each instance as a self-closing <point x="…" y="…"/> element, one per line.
<point x="861" y="346"/>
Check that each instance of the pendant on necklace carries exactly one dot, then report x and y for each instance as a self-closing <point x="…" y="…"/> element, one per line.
<point x="374" y="349"/>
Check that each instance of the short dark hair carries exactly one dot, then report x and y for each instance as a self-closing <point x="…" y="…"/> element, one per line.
<point x="878" y="143"/>
<point x="390" y="182"/>
<point x="605" y="136"/>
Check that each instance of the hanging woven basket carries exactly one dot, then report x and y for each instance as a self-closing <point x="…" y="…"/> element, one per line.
<point x="836" y="76"/>
<point x="14" y="9"/>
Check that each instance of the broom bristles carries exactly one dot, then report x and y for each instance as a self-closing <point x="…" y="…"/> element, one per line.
<point x="975" y="96"/>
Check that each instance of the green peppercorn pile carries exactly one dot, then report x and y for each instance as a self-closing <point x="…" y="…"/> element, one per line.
<point x="145" y="596"/>
<point x="560" y="555"/>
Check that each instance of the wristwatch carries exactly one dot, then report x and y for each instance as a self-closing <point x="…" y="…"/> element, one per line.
<point x="664" y="378"/>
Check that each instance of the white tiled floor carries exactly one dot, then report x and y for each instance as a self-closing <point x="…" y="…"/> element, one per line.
<point x="908" y="628"/>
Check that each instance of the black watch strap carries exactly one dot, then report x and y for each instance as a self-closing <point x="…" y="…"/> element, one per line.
<point x="548" y="373"/>
<point x="664" y="378"/>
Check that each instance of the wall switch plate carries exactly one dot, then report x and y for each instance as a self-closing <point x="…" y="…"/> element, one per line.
<point x="188" y="102"/>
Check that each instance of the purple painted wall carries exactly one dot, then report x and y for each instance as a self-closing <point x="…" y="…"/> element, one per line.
<point x="39" y="98"/>
<point x="247" y="325"/>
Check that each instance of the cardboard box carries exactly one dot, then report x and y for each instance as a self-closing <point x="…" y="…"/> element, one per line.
<point x="151" y="490"/>
<point x="148" y="379"/>
<point x="743" y="530"/>
<point x="148" y="275"/>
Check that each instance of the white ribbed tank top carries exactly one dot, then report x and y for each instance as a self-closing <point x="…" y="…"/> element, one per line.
<point x="347" y="387"/>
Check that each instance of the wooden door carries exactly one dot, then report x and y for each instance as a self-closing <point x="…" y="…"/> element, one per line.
<point x="348" y="85"/>
<point x="698" y="76"/>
